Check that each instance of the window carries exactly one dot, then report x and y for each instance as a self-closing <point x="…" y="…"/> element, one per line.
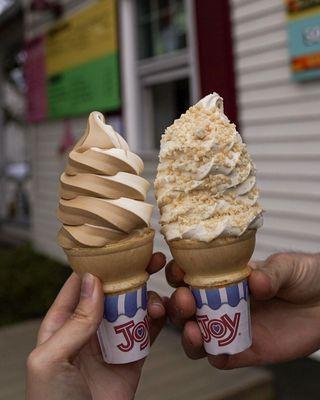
<point x="160" y="76"/>
<point x="169" y="101"/>
<point x="161" y="27"/>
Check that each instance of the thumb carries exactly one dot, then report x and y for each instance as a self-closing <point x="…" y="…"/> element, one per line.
<point x="81" y="326"/>
<point x="272" y="276"/>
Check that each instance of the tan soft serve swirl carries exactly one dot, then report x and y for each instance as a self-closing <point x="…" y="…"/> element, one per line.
<point x="102" y="196"/>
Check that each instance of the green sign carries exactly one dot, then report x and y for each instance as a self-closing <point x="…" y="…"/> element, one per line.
<point x="82" y="65"/>
<point x="91" y="86"/>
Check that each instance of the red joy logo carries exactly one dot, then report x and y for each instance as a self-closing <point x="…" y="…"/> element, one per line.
<point x="223" y="329"/>
<point x="133" y="333"/>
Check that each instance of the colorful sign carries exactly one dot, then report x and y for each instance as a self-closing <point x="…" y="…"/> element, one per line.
<point x="82" y="62"/>
<point x="304" y="38"/>
<point x="80" y="65"/>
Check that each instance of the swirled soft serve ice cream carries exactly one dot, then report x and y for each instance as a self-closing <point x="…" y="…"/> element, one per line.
<point x="106" y="232"/>
<point x="206" y="181"/>
<point x="102" y="196"/>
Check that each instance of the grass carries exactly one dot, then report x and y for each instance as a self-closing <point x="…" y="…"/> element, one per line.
<point x="29" y="282"/>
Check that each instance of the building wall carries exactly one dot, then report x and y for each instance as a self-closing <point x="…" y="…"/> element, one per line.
<point x="47" y="165"/>
<point x="280" y="121"/>
<point x="46" y="137"/>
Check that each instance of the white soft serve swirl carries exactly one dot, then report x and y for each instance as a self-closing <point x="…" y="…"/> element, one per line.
<point x="206" y="183"/>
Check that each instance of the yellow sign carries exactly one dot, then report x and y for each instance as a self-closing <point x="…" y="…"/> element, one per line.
<point x="86" y="36"/>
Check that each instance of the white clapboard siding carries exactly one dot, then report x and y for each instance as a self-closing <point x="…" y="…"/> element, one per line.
<point x="290" y="187"/>
<point x="280" y="121"/>
<point x="275" y="93"/>
<point x="249" y="10"/>
<point x="272" y="58"/>
<point x="288" y="131"/>
<point x="47" y="167"/>
<point x="257" y="45"/>
<point x="288" y="148"/>
<point x="259" y="26"/>
<point x="48" y="163"/>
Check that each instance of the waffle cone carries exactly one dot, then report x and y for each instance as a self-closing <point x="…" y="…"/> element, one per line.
<point x="120" y="266"/>
<point x="221" y="262"/>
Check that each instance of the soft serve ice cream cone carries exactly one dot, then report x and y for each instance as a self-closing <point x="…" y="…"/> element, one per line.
<point x="206" y="192"/>
<point x="106" y="232"/>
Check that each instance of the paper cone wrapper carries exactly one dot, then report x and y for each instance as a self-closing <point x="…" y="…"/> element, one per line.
<point x="217" y="274"/>
<point x="124" y="331"/>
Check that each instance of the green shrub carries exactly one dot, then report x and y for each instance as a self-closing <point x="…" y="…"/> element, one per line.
<point x="29" y="282"/>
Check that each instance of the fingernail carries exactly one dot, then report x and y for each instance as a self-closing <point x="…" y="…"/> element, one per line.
<point x="163" y="256"/>
<point x="87" y="285"/>
<point x="155" y="301"/>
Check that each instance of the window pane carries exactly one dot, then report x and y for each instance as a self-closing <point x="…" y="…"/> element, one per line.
<point x="145" y="40"/>
<point x="143" y="8"/>
<point x="163" y="4"/>
<point x="161" y="27"/>
<point x="180" y="23"/>
<point x="170" y="100"/>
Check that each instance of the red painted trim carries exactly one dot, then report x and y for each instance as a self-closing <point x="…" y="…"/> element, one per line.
<point x="216" y="61"/>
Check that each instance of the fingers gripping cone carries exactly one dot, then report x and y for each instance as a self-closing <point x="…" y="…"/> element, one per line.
<point x="124" y="332"/>
<point x="120" y="266"/>
<point x="217" y="274"/>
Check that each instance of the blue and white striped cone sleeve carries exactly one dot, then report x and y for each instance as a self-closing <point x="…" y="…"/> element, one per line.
<point x="223" y="315"/>
<point x="124" y="331"/>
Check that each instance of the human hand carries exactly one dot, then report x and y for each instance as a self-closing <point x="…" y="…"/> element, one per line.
<point x="285" y="309"/>
<point x="67" y="362"/>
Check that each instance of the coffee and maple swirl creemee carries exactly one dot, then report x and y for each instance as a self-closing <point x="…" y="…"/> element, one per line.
<point x="102" y="196"/>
